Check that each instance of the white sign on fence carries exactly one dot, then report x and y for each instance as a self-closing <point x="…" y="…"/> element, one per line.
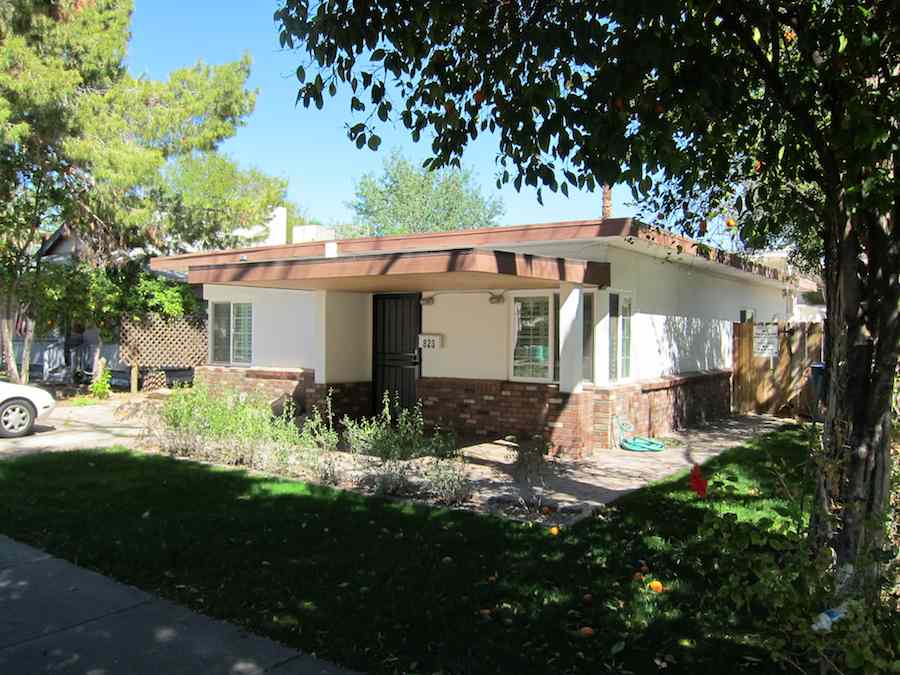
<point x="765" y="339"/>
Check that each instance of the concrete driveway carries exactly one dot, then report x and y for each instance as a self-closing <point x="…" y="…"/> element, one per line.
<point x="115" y="422"/>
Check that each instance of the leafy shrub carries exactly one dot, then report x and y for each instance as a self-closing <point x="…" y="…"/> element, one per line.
<point x="447" y="482"/>
<point x="318" y="429"/>
<point x="327" y="470"/>
<point x="765" y="570"/>
<point x="397" y="436"/>
<point x="101" y="387"/>
<point x="392" y="478"/>
<point x="234" y="428"/>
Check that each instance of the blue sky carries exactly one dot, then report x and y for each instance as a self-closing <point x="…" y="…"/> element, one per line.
<point x="308" y="147"/>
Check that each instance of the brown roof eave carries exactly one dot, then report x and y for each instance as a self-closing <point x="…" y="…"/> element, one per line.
<point x="414" y="262"/>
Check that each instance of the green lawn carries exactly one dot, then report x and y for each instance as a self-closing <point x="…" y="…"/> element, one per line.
<point x="387" y="587"/>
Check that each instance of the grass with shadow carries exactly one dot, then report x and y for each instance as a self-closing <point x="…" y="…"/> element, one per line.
<point x="385" y="586"/>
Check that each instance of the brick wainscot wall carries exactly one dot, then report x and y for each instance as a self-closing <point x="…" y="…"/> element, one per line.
<point x="352" y="398"/>
<point x="575" y="424"/>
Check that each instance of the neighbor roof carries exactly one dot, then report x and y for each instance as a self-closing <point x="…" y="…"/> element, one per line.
<point x="485" y="237"/>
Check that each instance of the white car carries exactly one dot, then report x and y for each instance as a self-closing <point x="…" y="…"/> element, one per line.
<point x="20" y="407"/>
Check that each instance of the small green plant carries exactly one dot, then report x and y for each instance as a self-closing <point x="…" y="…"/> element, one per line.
<point x="327" y="470"/>
<point x="397" y="435"/>
<point x="392" y="478"/>
<point x="81" y="401"/>
<point x="447" y="482"/>
<point x="101" y="387"/>
<point x="318" y="428"/>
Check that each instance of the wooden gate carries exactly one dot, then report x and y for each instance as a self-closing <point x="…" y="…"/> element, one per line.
<point x="778" y="382"/>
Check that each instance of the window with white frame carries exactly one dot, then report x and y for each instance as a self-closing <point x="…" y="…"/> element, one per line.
<point x="619" y="336"/>
<point x="231" y="329"/>
<point x="536" y="348"/>
<point x="532" y="337"/>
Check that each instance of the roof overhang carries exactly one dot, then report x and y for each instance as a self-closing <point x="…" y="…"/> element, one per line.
<point x="605" y="230"/>
<point x="455" y="269"/>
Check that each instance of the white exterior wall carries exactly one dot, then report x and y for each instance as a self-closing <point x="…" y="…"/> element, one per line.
<point x="683" y="315"/>
<point x="476" y="336"/>
<point x="348" y="338"/>
<point x="284" y="332"/>
<point x="682" y="318"/>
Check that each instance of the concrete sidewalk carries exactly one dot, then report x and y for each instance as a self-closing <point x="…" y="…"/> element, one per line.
<point x="57" y="617"/>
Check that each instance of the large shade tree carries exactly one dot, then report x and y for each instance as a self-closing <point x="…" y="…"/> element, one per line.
<point x="128" y="164"/>
<point x="781" y="115"/>
<point x="406" y="199"/>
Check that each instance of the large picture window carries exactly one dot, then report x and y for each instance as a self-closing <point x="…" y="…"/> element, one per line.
<point x="532" y="348"/>
<point x="232" y="332"/>
<point x="536" y="341"/>
<point x="619" y="336"/>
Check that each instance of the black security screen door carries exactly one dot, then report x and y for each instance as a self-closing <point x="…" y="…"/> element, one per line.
<point x="396" y="361"/>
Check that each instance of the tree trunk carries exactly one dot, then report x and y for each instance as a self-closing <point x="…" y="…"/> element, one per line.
<point x="98" y="350"/>
<point x="25" y="370"/>
<point x="852" y="490"/>
<point x="7" y="330"/>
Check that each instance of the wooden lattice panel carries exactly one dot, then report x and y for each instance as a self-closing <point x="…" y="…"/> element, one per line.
<point x="158" y="342"/>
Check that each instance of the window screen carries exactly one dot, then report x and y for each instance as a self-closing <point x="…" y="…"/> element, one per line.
<point x="531" y="354"/>
<point x="242" y="332"/>
<point x="221" y="332"/>
<point x="625" y="352"/>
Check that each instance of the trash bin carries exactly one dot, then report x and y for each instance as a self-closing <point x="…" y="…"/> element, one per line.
<point x="819" y="373"/>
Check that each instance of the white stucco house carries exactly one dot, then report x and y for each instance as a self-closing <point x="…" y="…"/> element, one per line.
<point x="551" y="329"/>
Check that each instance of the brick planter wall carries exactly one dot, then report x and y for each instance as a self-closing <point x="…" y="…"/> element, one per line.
<point x="495" y="408"/>
<point x="353" y="399"/>
<point x="575" y="424"/>
<point x="270" y="382"/>
<point x="658" y="407"/>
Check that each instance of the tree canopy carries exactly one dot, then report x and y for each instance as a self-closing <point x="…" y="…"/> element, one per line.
<point x="129" y="164"/>
<point x="408" y="199"/>
<point x="781" y="116"/>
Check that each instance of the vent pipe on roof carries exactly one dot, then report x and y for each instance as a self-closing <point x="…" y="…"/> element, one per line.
<point x="607" y="201"/>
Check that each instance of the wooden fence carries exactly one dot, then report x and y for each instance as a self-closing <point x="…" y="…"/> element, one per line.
<point x="155" y="344"/>
<point x="771" y="371"/>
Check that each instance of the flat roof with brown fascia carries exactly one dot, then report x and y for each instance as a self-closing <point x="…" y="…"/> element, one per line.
<point x="411" y="270"/>
<point x="493" y="236"/>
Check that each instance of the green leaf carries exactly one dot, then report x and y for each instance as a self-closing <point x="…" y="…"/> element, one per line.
<point x="842" y="43"/>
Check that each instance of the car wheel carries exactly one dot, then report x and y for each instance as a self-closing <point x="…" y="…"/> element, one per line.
<point x="16" y="418"/>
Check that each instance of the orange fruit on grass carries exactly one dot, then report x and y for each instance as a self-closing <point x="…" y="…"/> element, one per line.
<point x="586" y="631"/>
<point x="554" y="531"/>
<point x="655" y="586"/>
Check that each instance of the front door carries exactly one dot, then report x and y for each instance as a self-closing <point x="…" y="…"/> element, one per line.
<point x="397" y="322"/>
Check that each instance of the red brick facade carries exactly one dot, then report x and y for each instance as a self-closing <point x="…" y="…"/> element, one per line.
<point x="658" y="407"/>
<point x="270" y="382"/>
<point x="353" y="398"/>
<point x="574" y="424"/>
<point x="493" y="408"/>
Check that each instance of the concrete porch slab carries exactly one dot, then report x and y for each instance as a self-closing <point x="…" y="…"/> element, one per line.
<point x="578" y="486"/>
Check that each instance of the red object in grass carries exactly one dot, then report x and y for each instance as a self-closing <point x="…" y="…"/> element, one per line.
<point x="698" y="482"/>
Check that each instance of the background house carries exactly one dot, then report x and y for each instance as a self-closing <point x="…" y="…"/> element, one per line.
<point x="552" y="329"/>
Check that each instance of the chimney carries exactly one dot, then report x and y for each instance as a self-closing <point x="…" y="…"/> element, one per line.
<point x="607" y="201"/>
